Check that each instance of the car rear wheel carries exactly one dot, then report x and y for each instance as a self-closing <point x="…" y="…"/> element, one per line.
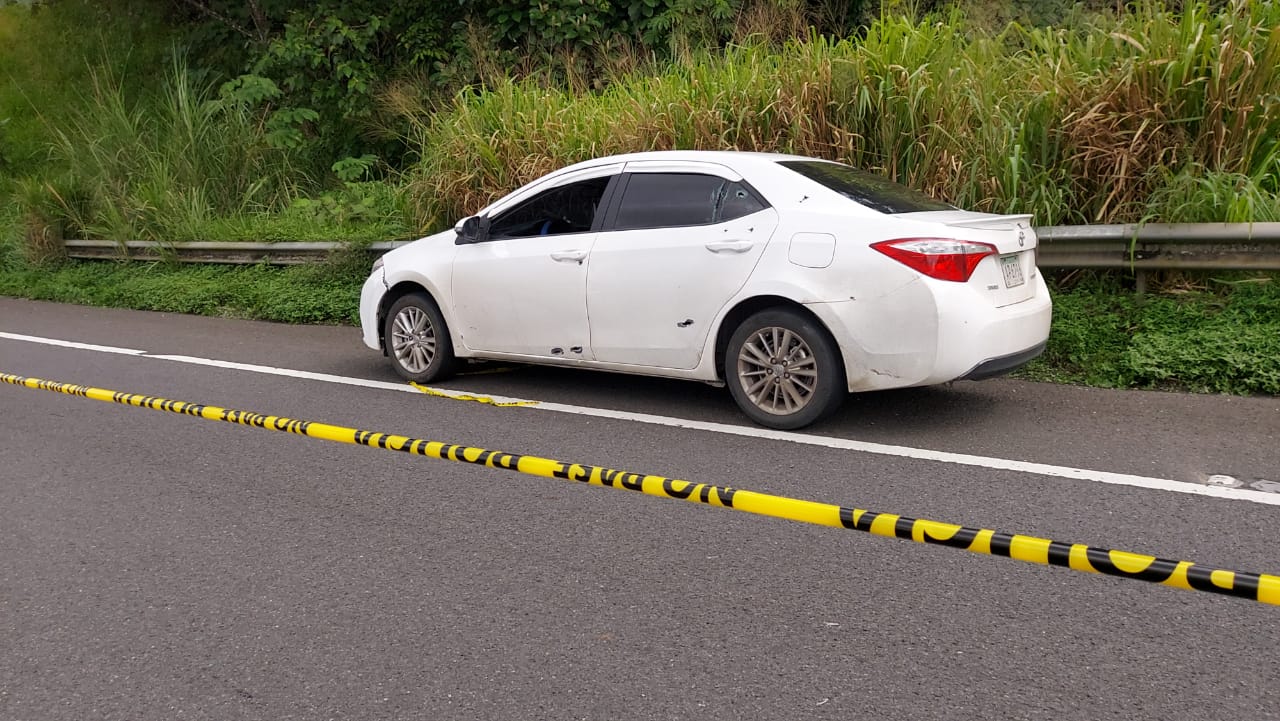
<point x="783" y="369"/>
<point x="417" y="339"/>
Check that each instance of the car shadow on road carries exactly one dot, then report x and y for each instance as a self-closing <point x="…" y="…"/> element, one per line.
<point x="938" y="408"/>
<point x="957" y="405"/>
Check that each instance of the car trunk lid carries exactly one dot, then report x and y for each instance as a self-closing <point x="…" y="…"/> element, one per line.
<point x="1004" y="279"/>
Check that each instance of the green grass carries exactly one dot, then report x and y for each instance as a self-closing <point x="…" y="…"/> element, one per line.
<point x="11" y="258"/>
<point x="322" y="293"/>
<point x="289" y="295"/>
<point x="357" y="213"/>
<point x="47" y="57"/>
<point x="189" y="163"/>
<point x="1222" y="336"/>
<point x="92" y="144"/>
<point x="165" y="167"/>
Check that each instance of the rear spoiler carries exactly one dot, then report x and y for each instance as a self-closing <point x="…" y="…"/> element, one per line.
<point x="992" y="222"/>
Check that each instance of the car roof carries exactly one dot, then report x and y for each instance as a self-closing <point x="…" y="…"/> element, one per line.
<point x="741" y="162"/>
<point x="725" y="157"/>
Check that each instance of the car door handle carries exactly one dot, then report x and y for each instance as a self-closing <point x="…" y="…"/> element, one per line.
<point x="730" y="246"/>
<point x="569" y="256"/>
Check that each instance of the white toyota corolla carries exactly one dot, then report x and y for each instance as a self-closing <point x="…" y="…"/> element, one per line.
<point x="793" y="281"/>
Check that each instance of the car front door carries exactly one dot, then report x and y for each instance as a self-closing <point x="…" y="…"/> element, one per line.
<point x="680" y="242"/>
<point x="521" y="289"/>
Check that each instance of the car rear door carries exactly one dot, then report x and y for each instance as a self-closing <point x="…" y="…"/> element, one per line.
<point x="680" y="240"/>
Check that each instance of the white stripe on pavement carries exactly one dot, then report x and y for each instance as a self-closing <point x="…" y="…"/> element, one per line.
<point x="72" y="344"/>
<point x="1042" y="469"/>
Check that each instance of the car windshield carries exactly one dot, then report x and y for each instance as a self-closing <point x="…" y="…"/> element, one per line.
<point x="873" y="191"/>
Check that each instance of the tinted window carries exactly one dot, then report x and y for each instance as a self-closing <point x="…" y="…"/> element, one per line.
<point x="567" y="209"/>
<point x="663" y="200"/>
<point x="873" y="191"/>
<point x="737" y="201"/>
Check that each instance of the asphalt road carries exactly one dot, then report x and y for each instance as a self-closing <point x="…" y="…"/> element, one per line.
<point x="155" y="566"/>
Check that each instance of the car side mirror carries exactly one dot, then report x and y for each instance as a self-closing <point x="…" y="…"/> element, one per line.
<point x="471" y="230"/>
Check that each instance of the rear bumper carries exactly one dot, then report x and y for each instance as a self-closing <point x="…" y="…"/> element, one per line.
<point x="996" y="367"/>
<point x="977" y="341"/>
<point x="931" y="332"/>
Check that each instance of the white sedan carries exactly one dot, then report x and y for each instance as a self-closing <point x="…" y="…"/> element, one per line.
<point x="794" y="281"/>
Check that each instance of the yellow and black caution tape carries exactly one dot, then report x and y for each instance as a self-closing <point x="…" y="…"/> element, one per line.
<point x="1179" y="574"/>
<point x="466" y="397"/>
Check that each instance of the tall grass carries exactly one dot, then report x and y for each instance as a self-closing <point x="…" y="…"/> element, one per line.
<point x="1145" y="115"/>
<point x="11" y="255"/>
<point x="163" y="167"/>
<point x="46" y="52"/>
<point x="1164" y="98"/>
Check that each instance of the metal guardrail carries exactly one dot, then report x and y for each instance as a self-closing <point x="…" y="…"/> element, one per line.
<point x="1184" y="246"/>
<point x="1160" y="246"/>
<point x="234" y="252"/>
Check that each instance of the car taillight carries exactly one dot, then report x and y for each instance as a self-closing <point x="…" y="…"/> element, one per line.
<point x="941" y="258"/>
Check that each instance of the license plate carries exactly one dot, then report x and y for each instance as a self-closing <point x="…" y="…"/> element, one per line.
<point x="1012" y="267"/>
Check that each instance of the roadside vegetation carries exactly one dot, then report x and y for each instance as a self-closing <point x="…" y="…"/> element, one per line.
<point x="364" y="120"/>
<point x="1147" y="116"/>
<point x="1210" y="333"/>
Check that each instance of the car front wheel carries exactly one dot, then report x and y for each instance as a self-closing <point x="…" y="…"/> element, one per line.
<point x="417" y="339"/>
<point x="783" y="369"/>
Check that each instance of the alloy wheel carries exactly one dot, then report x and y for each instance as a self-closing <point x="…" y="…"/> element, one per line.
<point x="778" y="371"/>
<point x="413" y="339"/>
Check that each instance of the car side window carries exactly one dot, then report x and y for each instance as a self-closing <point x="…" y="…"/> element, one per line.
<point x="737" y="201"/>
<point x="565" y="209"/>
<point x="665" y="200"/>
<point x="668" y="200"/>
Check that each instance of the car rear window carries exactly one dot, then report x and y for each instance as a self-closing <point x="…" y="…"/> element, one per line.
<point x="873" y="191"/>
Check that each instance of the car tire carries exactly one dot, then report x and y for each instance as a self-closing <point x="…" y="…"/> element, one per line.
<point x="784" y="370"/>
<point x="417" y="339"/>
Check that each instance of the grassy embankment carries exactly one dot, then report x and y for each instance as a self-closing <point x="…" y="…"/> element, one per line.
<point x="1142" y="117"/>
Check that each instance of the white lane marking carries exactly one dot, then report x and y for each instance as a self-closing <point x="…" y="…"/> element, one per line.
<point x="329" y="378"/>
<point x="72" y="344"/>
<point x="1080" y="474"/>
